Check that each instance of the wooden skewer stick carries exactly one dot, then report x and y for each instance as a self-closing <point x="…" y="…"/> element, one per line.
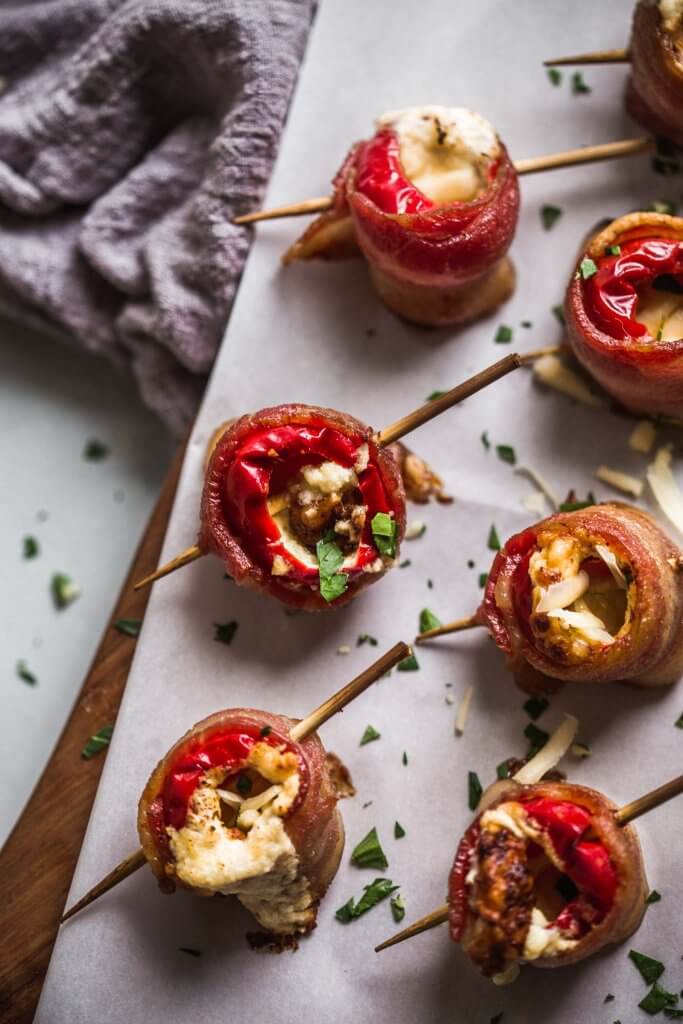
<point x="599" y="57"/>
<point x="306" y="727"/>
<point x="622" y="817"/>
<point x="414" y="419"/>
<point x="184" y="558"/>
<point x="548" y="162"/>
<point x="471" y="622"/>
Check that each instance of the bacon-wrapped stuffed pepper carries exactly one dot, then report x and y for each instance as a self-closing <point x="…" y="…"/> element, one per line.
<point x="546" y="876"/>
<point x="594" y="595"/>
<point x="237" y="807"/>
<point x="654" y="94"/>
<point x="624" y="312"/>
<point x="432" y="201"/>
<point x="301" y="502"/>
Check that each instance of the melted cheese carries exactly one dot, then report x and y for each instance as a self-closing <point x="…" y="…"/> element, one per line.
<point x="445" y="151"/>
<point x="543" y="939"/>
<point x="662" y="314"/>
<point x="672" y="14"/>
<point x="257" y="861"/>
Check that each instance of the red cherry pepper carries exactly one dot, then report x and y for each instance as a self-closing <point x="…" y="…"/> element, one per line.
<point x="457" y="888"/>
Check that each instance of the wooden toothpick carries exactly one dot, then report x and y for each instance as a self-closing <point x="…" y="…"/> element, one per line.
<point x="471" y="622"/>
<point x="184" y="558"/>
<point x="598" y="57"/>
<point x="299" y="732"/>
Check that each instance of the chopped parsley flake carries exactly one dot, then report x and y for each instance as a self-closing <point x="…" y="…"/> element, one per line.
<point x="25" y="673"/>
<point x="404" y="759"/>
<point x="436" y="394"/>
<point x="662" y="206"/>
<point x="189" y="951"/>
<point x="483" y="577"/>
<point x="470" y="563"/>
<point x="365" y="638"/>
<point x="129" y="627"/>
<point x="369" y="735"/>
<point x="503" y="769"/>
<point x="609" y="998"/>
<point x="535" y="706"/>
<point x="654" y="897"/>
<point x="225" y="631"/>
<point x="579" y="87"/>
<point x="398" y="908"/>
<point x="369" y="853"/>
<point x="408" y="664"/>
<point x="613" y="250"/>
<point x="399" y="831"/>
<point x="587" y="268"/>
<point x="526" y="323"/>
<point x="493" y="543"/>
<point x="657" y="999"/>
<point x="474" y="790"/>
<point x="95" y="451"/>
<point x="649" y="968"/>
<point x="536" y="737"/>
<point x="404" y="564"/>
<point x="485" y="440"/>
<point x="266" y="731"/>
<point x="97" y="743"/>
<point x="428" y="620"/>
<point x="64" y="590"/>
<point x="330" y="558"/>
<point x="372" y="895"/>
<point x="558" y="312"/>
<point x="384" y="531"/>
<point x="555" y="76"/>
<point x="679" y="721"/>
<point x="506" y="453"/>
<point x="550" y="216"/>
<point x="503" y="335"/>
<point x="31" y="547"/>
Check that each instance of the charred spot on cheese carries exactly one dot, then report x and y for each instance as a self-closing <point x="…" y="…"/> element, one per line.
<point x="233" y="839"/>
<point x="582" y="595"/>
<point x="446" y="152"/>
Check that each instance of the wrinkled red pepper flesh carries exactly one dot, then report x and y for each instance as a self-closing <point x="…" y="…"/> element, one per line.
<point x="262" y="467"/>
<point x="227" y="750"/>
<point x="611" y="294"/>
<point x="457" y="887"/>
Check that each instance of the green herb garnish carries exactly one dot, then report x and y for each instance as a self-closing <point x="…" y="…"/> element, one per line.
<point x="243" y="784"/>
<point x="408" y="664"/>
<point x="673" y="1014"/>
<point x="369" y="735"/>
<point x="266" y="731"/>
<point x="550" y="216"/>
<point x="225" y="631"/>
<point x="662" y="206"/>
<point x="483" y="577"/>
<point x="613" y="250"/>
<point x="654" y="897"/>
<point x="609" y="998"/>
<point x="535" y="706"/>
<point x="25" y="673"/>
<point x="365" y="638"/>
<point x="404" y="564"/>
<point x="536" y="737"/>
<point x="404" y="759"/>
<point x="657" y="999"/>
<point x="474" y="790"/>
<point x="428" y="620"/>
<point x="372" y="895"/>
<point x="503" y="769"/>
<point x="587" y="268"/>
<point x="64" y="590"/>
<point x="485" y="440"/>
<point x="129" y="627"/>
<point x="579" y="87"/>
<point x="506" y="453"/>
<point x="503" y="335"/>
<point x="665" y="160"/>
<point x="384" y="531"/>
<point x="493" y="543"/>
<point x="526" y="323"/>
<point x="189" y="951"/>
<point x="399" y="831"/>
<point x="649" y="968"/>
<point x="398" y="908"/>
<point x="330" y="558"/>
<point x="555" y="77"/>
<point x="558" y="312"/>
<point x="95" y="451"/>
<point x="97" y="743"/>
<point x="679" y="721"/>
<point x="31" y="547"/>
<point x="369" y="853"/>
<point x="435" y="394"/>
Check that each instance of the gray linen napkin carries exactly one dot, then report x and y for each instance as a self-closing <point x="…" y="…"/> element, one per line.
<point x="131" y="132"/>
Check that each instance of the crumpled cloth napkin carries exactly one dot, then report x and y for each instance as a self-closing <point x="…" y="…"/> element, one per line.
<point x="131" y="132"/>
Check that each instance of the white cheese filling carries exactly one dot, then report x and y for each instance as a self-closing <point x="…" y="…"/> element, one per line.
<point x="672" y="13"/>
<point x="254" y="860"/>
<point x="445" y="151"/>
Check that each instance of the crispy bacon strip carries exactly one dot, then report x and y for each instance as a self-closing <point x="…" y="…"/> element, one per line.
<point x="650" y="651"/>
<point x="654" y="93"/>
<point x="220" y="537"/>
<point x="490" y="915"/>
<point x="314" y="826"/>
<point x="445" y="265"/>
<point x="645" y="376"/>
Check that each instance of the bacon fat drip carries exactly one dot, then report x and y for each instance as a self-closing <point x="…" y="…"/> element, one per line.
<point x="625" y="320"/>
<point x="432" y="202"/>
<point x="544" y="876"/>
<point x="292" y="485"/>
<point x="236" y="807"/>
<point x="589" y="596"/>
<point x="654" y="93"/>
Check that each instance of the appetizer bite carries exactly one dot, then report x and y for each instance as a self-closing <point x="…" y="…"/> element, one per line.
<point x="431" y="201"/>
<point x="544" y="876"/>
<point x="624" y="312"/>
<point x="654" y="93"/>
<point x="594" y="595"/>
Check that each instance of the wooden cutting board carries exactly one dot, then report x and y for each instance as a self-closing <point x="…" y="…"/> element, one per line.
<point x="39" y="858"/>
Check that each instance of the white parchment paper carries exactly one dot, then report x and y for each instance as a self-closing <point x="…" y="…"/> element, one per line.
<point x="316" y="333"/>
